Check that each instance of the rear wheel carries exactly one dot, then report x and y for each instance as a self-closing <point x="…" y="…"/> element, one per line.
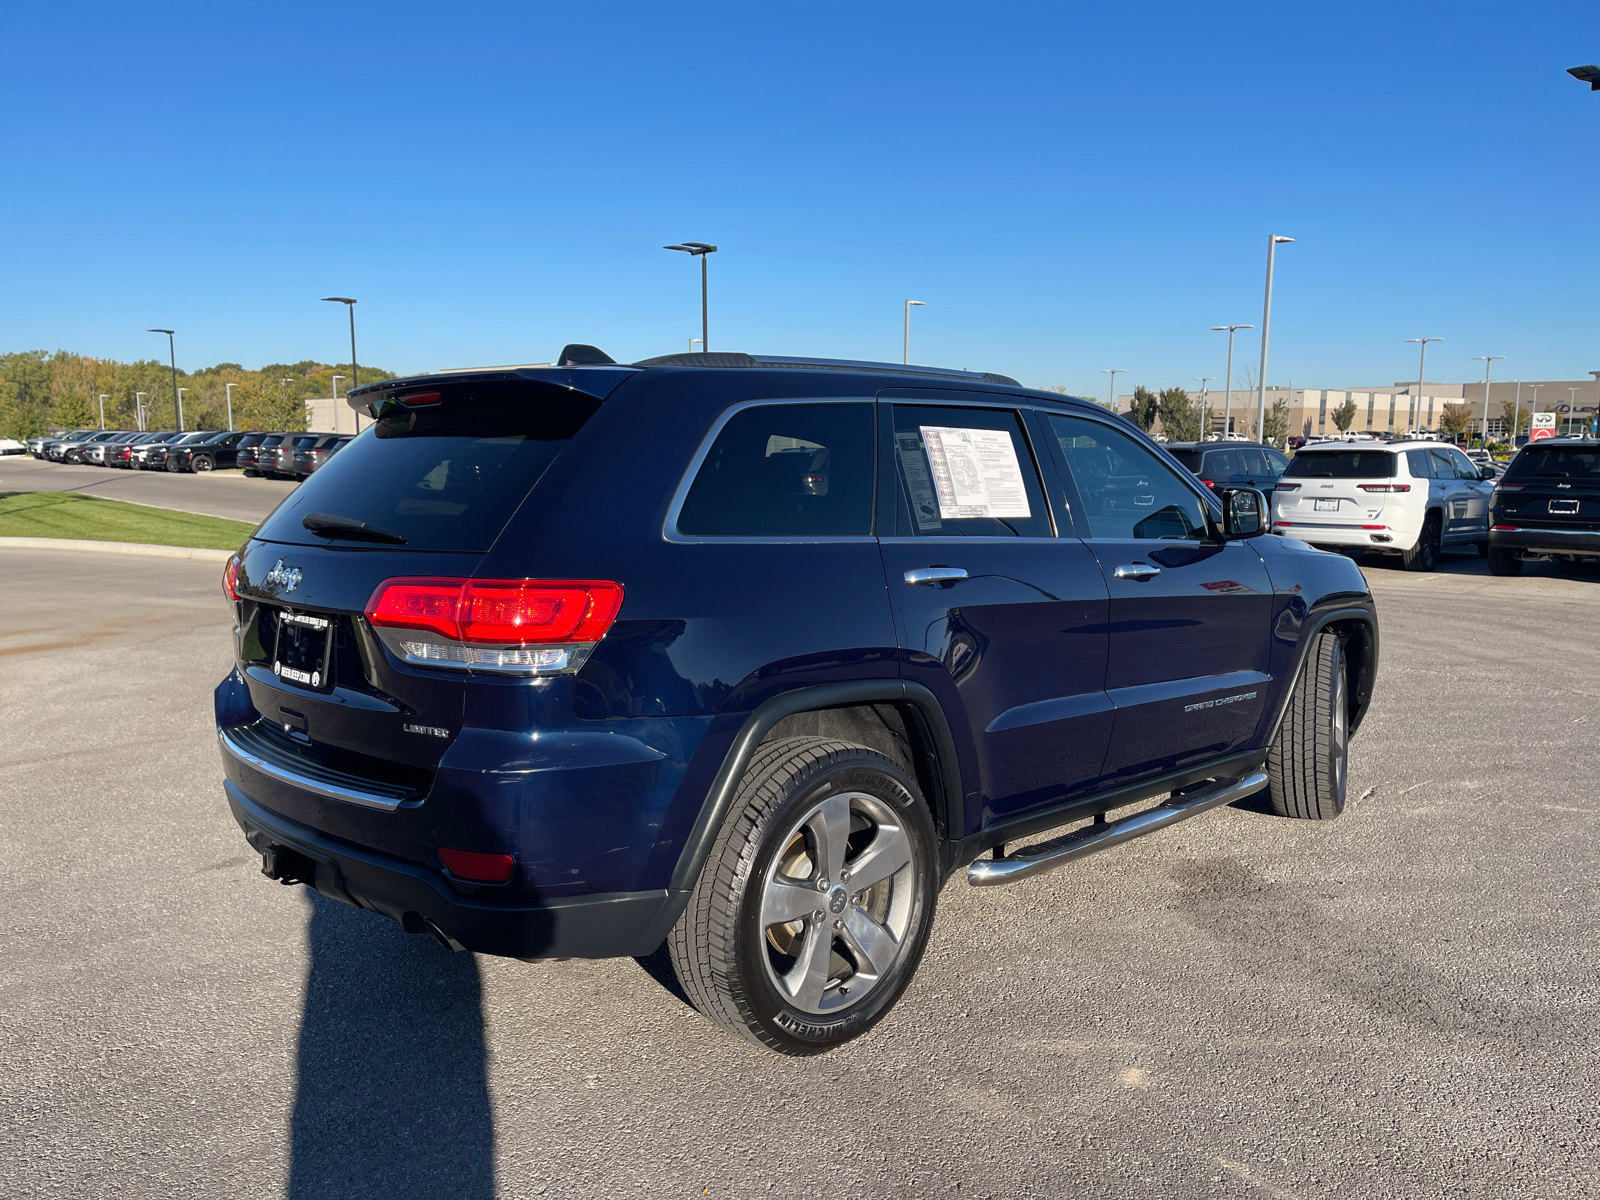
<point x="813" y="910"/>
<point x="1504" y="561"/>
<point x="1308" y="763"/>
<point x="1424" y="556"/>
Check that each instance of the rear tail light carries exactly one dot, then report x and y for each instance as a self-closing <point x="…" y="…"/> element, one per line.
<point x="1286" y="487"/>
<point x="1510" y="487"/>
<point x="1505" y="528"/>
<point x="1210" y="483"/>
<point x="513" y="626"/>
<point x="479" y="868"/>
<point x="419" y="399"/>
<point x="230" y="578"/>
<point x="1384" y="487"/>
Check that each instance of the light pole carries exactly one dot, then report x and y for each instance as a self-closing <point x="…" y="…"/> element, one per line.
<point x="905" y="356"/>
<point x="700" y="250"/>
<point x="1572" y="404"/>
<point x="1422" y="371"/>
<point x="1516" y="415"/>
<point x="355" y="371"/>
<point x="230" y="387"/>
<point x="336" y="379"/>
<point x="1488" y="361"/>
<point x="1273" y="240"/>
<point x="181" y="391"/>
<point x="177" y="400"/>
<point x="1535" y="388"/>
<point x="138" y="409"/>
<point x="1202" y="380"/>
<point x="1228" y="413"/>
<point x="102" y="412"/>
<point x="1113" y="372"/>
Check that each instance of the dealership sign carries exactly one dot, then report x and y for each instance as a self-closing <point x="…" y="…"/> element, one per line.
<point x="1544" y="426"/>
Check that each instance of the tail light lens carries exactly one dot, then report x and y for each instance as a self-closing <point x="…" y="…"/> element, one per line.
<point x="230" y="579"/>
<point x="512" y="626"/>
<point x="1286" y="487"/>
<point x="1384" y="487"/>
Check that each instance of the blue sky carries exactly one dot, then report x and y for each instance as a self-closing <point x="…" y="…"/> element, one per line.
<point x="1068" y="187"/>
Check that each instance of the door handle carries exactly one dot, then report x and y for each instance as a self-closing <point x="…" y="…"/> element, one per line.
<point x="935" y="575"/>
<point x="1136" y="571"/>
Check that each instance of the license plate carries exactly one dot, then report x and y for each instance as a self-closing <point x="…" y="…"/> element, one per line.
<point x="301" y="654"/>
<point x="1327" y="506"/>
<point x="1564" y="507"/>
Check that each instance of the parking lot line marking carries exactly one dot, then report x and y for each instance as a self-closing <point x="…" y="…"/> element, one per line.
<point x="1250" y="1177"/>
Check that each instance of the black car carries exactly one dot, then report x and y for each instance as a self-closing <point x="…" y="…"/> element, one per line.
<point x="1231" y="464"/>
<point x="1547" y="503"/>
<point x="215" y="451"/>
<point x="751" y="655"/>
<point x="262" y="458"/>
<point x="154" y="457"/>
<point x="313" y="450"/>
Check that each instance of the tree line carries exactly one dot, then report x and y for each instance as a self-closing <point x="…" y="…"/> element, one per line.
<point x="1183" y="419"/>
<point x="41" y="392"/>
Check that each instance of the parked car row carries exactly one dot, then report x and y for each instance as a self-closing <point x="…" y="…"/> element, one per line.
<point x="277" y="455"/>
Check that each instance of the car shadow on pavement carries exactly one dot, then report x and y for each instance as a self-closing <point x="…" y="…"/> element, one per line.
<point x="393" y="1096"/>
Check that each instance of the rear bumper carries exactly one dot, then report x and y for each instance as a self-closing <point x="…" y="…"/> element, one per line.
<point x="1546" y="541"/>
<point x="612" y="925"/>
<point x="1342" y="535"/>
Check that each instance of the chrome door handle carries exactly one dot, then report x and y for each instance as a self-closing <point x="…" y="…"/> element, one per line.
<point x="1137" y="571"/>
<point x="935" y="575"/>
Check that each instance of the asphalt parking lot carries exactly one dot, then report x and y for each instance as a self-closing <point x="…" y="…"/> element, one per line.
<point x="1400" y="1003"/>
<point x="215" y="494"/>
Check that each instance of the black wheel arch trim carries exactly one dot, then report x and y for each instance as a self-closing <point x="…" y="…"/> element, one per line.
<point x="1336" y="611"/>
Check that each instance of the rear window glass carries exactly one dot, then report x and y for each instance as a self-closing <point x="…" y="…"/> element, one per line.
<point x="785" y="470"/>
<point x="1557" y="462"/>
<point x="305" y="443"/>
<point x="1341" y="464"/>
<point x="445" y="478"/>
<point x="1189" y="458"/>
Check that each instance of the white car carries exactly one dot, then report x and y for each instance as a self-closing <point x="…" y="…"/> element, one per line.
<point x="8" y="446"/>
<point x="1407" y="498"/>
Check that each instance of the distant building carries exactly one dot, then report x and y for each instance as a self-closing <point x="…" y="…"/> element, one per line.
<point x="1392" y="409"/>
<point x="327" y="415"/>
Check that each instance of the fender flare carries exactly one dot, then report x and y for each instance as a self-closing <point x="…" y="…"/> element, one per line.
<point x="947" y="806"/>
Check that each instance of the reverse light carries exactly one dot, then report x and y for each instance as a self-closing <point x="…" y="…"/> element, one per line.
<point x="230" y="578"/>
<point x="1384" y="487"/>
<point x="478" y="868"/>
<point x="511" y="626"/>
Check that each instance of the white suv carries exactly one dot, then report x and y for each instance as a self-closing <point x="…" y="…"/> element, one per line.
<point x="1407" y="498"/>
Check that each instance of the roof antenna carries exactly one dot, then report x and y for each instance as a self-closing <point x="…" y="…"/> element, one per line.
<point x="576" y="354"/>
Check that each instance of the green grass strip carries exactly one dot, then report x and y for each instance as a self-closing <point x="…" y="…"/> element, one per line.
<point x="69" y="515"/>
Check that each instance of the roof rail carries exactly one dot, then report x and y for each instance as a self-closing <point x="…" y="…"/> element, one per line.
<point x="721" y="359"/>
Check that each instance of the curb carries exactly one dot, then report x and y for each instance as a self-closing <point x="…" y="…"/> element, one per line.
<point x="44" y="543"/>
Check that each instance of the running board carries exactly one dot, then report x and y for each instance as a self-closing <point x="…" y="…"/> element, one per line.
<point x="1036" y="860"/>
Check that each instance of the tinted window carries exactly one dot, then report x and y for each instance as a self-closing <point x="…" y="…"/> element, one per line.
<point x="305" y="443"/>
<point x="1557" y="462"/>
<point x="1460" y="465"/>
<point x="249" y="439"/>
<point x="1189" y="458"/>
<point x="1126" y="491"/>
<point x="1341" y="464"/>
<point x="445" y="478"/>
<point x="1421" y="464"/>
<point x="965" y="472"/>
<point x="785" y="470"/>
<point x="1275" y="461"/>
<point x="1253" y="462"/>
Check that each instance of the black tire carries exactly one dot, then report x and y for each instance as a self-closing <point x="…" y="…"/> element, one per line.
<point x="201" y="463"/>
<point x="251" y="473"/>
<point x="1424" y="556"/>
<point x="736" y="964"/>
<point x="1504" y="561"/>
<point x="1482" y="548"/>
<point x="1307" y="765"/>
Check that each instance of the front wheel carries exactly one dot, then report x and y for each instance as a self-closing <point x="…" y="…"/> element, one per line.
<point x="202" y="463"/>
<point x="812" y="912"/>
<point x="1308" y="763"/>
<point x="1504" y="561"/>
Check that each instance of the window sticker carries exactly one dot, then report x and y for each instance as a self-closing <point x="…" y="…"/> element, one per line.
<point x="919" y="484"/>
<point x="975" y="472"/>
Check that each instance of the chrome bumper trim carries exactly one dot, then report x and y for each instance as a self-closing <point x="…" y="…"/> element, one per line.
<point x="304" y="782"/>
<point x="992" y="872"/>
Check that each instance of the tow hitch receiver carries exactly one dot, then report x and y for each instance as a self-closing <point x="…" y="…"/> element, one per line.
<point x="288" y="866"/>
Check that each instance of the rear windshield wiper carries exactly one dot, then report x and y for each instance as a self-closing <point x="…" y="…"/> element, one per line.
<point x="329" y="526"/>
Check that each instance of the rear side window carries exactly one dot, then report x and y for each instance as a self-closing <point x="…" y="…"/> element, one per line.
<point x="785" y="470"/>
<point x="1557" y="462"/>
<point x="1421" y="465"/>
<point x="442" y="478"/>
<point x="966" y="472"/>
<point x="1341" y="464"/>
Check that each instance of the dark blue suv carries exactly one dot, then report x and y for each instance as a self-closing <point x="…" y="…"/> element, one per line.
<point x="749" y="655"/>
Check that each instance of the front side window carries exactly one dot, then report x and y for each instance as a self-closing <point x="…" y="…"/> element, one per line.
<point x="1460" y="465"/>
<point x="965" y="472"/>
<point x="786" y="471"/>
<point x="1125" y="489"/>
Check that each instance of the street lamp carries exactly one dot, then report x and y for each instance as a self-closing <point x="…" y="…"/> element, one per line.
<point x="1488" y="361"/>
<point x="1572" y="405"/>
<point x="1228" y="413"/>
<point x="692" y="342"/>
<point x="1422" y="371"/>
<point x="700" y="250"/>
<point x="905" y="356"/>
<point x="336" y="379"/>
<point x="1202" y="380"/>
<point x="103" y="411"/>
<point x="230" y="387"/>
<point x="177" y="400"/>
<point x="181" y="391"/>
<point x="1273" y="241"/>
<point x="1589" y="74"/>
<point x="1113" y="372"/>
<point x="355" y="371"/>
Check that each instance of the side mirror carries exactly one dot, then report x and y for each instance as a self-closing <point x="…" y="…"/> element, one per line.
<point x="1487" y="473"/>
<point x="1244" y="513"/>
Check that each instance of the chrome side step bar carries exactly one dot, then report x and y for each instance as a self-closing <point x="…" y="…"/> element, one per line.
<point x="1036" y="860"/>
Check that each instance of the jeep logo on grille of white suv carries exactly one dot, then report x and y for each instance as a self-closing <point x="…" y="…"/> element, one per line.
<point x="285" y="579"/>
